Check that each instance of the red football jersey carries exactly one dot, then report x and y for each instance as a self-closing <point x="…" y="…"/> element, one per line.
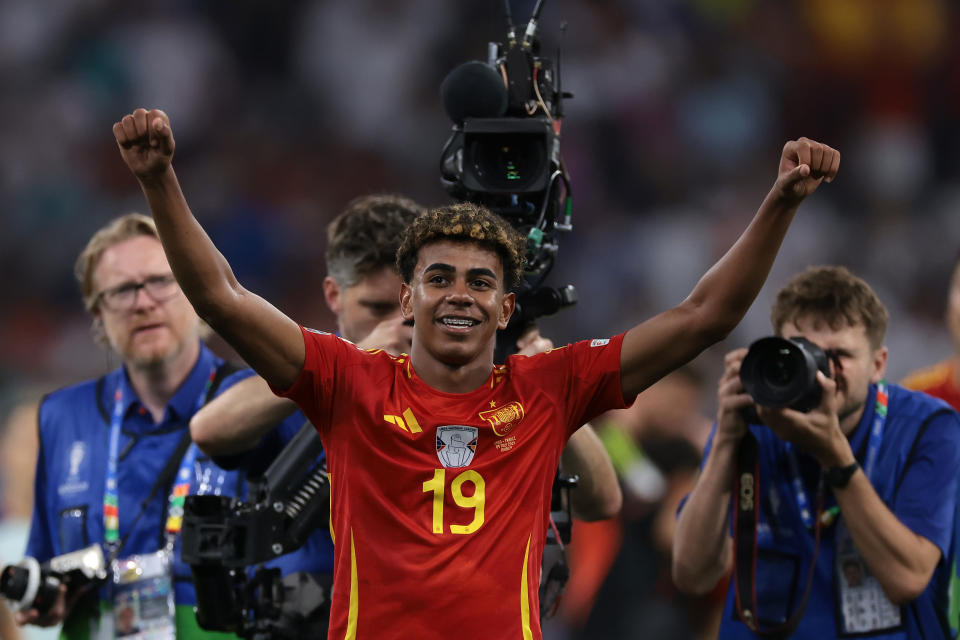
<point x="440" y="502"/>
<point x="939" y="380"/>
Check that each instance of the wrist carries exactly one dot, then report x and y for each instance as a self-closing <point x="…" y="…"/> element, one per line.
<point x="838" y="453"/>
<point x="839" y="477"/>
<point x="156" y="181"/>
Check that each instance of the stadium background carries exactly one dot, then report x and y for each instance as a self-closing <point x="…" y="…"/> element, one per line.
<point x="285" y="111"/>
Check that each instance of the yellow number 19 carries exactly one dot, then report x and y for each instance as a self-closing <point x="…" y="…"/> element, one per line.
<point x="474" y="501"/>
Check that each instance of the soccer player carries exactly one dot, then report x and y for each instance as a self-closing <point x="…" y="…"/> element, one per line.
<point x="424" y="550"/>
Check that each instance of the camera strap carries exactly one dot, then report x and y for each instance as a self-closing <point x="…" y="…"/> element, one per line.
<point x="185" y="453"/>
<point x="746" y="509"/>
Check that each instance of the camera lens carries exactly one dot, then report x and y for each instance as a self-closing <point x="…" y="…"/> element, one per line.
<point x="507" y="162"/>
<point x="28" y="585"/>
<point x="777" y="372"/>
<point x="780" y="368"/>
<point x="13" y="582"/>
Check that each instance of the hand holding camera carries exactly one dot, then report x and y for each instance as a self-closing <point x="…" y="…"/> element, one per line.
<point x="733" y="402"/>
<point x="43" y="594"/>
<point x="789" y="384"/>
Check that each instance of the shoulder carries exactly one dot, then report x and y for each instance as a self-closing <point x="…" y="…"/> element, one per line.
<point x="580" y="353"/>
<point x="929" y="377"/>
<point x="68" y="400"/>
<point x="918" y="403"/>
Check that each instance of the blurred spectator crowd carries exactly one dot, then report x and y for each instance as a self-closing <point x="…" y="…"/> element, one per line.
<point x="285" y="111"/>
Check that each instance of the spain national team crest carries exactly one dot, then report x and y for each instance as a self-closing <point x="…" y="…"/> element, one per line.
<point x="503" y="419"/>
<point x="456" y="445"/>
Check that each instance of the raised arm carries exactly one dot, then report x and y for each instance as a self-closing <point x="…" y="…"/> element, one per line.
<point x="266" y="338"/>
<point x="722" y="296"/>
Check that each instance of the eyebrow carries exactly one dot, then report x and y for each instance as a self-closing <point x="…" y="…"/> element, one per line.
<point x="471" y="273"/>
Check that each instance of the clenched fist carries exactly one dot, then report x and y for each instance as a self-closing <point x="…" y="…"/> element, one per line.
<point x="804" y="164"/>
<point x="146" y="142"/>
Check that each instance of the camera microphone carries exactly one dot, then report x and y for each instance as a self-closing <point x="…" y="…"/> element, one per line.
<point x="473" y="90"/>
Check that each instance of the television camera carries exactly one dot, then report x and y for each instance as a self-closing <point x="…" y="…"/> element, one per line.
<point x="504" y="153"/>
<point x="222" y="537"/>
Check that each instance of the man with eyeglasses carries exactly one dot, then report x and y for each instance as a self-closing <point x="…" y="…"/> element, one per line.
<point x="116" y="459"/>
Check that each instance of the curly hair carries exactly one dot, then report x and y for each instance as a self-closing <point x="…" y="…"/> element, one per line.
<point x="835" y="295"/>
<point x="464" y="222"/>
<point x="365" y="237"/>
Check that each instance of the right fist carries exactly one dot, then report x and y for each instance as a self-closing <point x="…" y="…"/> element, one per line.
<point x="732" y="399"/>
<point x="146" y="142"/>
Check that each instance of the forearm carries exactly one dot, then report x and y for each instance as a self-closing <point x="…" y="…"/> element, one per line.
<point x="702" y="550"/>
<point x="902" y="561"/>
<point x="236" y="420"/>
<point x="597" y="495"/>
<point x="201" y="270"/>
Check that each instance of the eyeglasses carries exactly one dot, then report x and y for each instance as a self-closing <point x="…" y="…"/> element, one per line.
<point x="123" y="296"/>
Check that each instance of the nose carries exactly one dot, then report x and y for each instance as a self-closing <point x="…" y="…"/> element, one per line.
<point x="142" y="299"/>
<point x="459" y="293"/>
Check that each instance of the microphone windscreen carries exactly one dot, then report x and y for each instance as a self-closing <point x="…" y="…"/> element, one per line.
<point x="473" y="90"/>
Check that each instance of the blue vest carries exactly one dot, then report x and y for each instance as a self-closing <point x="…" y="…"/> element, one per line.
<point x="920" y="431"/>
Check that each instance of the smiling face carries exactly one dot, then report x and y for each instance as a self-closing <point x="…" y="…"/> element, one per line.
<point x="148" y="332"/>
<point x="457" y="301"/>
<point x="856" y="364"/>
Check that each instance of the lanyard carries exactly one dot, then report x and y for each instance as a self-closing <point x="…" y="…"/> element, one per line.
<point x="873" y="448"/>
<point x="111" y="520"/>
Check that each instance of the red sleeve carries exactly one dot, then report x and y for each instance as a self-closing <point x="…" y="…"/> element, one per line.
<point x="326" y="355"/>
<point x="584" y="376"/>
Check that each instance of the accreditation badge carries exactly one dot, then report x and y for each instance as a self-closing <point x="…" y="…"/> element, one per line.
<point x="143" y="606"/>
<point x="863" y="606"/>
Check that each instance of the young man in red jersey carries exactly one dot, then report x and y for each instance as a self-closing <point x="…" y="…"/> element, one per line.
<point x="425" y="550"/>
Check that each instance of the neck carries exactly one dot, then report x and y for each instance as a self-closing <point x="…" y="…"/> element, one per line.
<point x="849" y="423"/>
<point x="157" y="382"/>
<point x="451" y="378"/>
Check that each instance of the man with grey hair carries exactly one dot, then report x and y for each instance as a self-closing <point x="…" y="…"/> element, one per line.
<point x="115" y="458"/>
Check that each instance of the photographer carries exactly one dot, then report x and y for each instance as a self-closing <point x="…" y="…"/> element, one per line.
<point x="862" y="487"/>
<point x="423" y="549"/>
<point x="115" y="458"/>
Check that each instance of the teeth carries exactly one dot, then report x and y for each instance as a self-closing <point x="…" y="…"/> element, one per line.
<point x="459" y="322"/>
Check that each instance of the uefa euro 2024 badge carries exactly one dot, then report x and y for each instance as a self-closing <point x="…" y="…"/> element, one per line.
<point x="456" y="445"/>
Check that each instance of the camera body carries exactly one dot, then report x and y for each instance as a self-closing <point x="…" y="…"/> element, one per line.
<point x="223" y="536"/>
<point x="782" y="372"/>
<point x="31" y="585"/>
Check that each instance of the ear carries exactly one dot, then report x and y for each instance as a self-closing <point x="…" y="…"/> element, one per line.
<point x="406" y="301"/>
<point x="331" y="293"/>
<point x="507" y="305"/>
<point x="879" y="365"/>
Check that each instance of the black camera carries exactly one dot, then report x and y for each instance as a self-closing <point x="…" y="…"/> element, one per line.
<point x="504" y="154"/>
<point x="31" y="585"/>
<point x="223" y="536"/>
<point x="781" y="372"/>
